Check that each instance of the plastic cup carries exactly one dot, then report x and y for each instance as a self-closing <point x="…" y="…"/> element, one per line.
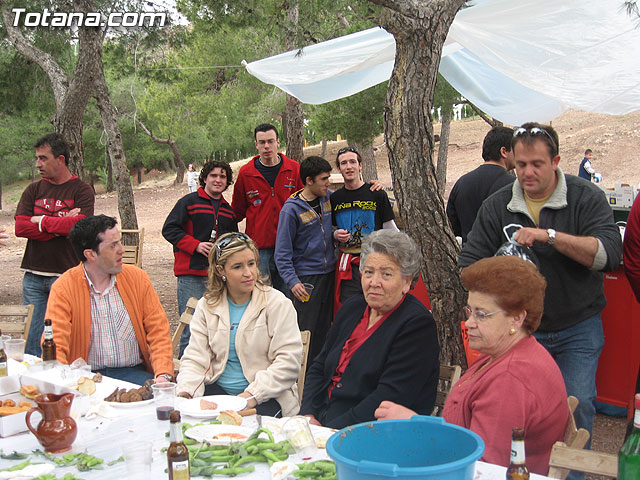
<point x="309" y="288"/>
<point x="14" y="348"/>
<point x="164" y="396"/>
<point x="137" y="458"/>
<point x="298" y="432"/>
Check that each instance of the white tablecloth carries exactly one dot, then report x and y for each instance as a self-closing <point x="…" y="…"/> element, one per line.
<point x="106" y="437"/>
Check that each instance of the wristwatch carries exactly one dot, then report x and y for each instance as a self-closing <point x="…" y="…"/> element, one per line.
<point x="552" y="236"/>
<point x="166" y="376"/>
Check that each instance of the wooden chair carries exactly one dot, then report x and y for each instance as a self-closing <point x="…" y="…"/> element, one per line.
<point x="23" y="313"/>
<point x="185" y="319"/>
<point x="449" y="375"/>
<point x="564" y="458"/>
<point x="132" y="251"/>
<point x="575" y="438"/>
<point x="306" y="341"/>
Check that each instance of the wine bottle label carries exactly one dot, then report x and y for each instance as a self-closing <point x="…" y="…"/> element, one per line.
<point x="517" y="452"/>
<point x="180" y="470"/>
<point x="636" y="418"/>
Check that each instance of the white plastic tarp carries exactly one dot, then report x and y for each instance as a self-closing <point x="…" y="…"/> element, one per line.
<point x="516" y="60"/>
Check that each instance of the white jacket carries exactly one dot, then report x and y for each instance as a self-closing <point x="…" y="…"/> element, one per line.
<point x="268" y="346"/>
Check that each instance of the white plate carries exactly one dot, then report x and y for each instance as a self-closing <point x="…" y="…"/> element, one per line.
<point x="219" y="434"/>
<point x="191" y="406"/>
<point x="130" y="404"/>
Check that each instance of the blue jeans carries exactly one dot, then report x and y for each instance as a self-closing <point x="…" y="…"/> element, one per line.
<point x="137" y="374"/>
<point x="35" y="291"/>
<point x="267" y="268"/>
<point x="188" y="286"/>
<point x="576" y="351"/>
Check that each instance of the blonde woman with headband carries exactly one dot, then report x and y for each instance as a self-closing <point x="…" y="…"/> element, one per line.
<point x="245" y="339"/>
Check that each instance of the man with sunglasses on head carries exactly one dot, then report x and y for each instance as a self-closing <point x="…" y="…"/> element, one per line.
<point x="569" y="225"/>
<point x="474" y="187"/>
<point x="262" y="187"/>
<point x="358" y="209"/>
<point x="196" y="221"/>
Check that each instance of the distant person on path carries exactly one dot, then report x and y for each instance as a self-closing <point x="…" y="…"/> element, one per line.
<point x="356" y="212"/>
<point x="305" y="252"/>
<point x="474" y="187"/>
<point x="3" y="235"/>
<point x="586" y="171"/>
<point x="197" y="220"/>
<point x="569" y="225"/>
<point x="47" y="211"/>
<point x="192" y="178"/>
<point x="108" y="313"/>
<point x="262" y="187"/>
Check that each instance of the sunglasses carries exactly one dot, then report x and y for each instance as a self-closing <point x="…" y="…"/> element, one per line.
<point x="535" y="132"/>
<point x="228" y="240"/>
<point x="347" y="149"/>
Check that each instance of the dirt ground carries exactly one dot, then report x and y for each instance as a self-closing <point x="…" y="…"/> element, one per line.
<point x="615" y="142"/>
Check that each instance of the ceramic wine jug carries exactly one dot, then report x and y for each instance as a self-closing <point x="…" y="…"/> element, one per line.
<point x="57" y="430"/>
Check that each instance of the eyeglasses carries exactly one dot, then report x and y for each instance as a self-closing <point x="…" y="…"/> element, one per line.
<point x="478" y="315"/>
<point x="228" y="240"/>
<point x="534" y="132"/>
<point x="347" y="149"/>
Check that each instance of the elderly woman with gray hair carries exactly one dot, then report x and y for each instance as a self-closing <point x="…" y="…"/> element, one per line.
<point x="382" y="344"/>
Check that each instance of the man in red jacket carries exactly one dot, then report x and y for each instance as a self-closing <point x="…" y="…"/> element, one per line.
<point x="262" y="187"/>
<point x="47" y="211"/>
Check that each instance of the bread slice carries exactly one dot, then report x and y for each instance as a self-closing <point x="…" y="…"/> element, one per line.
<point x="229" y="417"/>
<point x="86" y="385"/>
<point x="29" y="391"/>
<point x="207" y="405"/>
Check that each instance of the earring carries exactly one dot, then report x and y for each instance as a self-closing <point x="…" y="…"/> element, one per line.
<point x="224" y="279"/>
<point x="512" y="331"/>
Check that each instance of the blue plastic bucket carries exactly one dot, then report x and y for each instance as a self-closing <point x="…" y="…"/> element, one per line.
<point x="419" y="448"/>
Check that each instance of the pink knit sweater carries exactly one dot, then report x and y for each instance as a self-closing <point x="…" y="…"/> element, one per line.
<point x="522" y="388"/>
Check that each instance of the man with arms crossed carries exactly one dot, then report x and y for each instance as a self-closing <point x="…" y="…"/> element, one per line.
<point x="305" y="253"/>
<point x="108" y="313"/>
<point x="45" y="214"/>
<point x="569" y="225"/>
<point x="474" y="187"/>
<point x="262" y="187"/>
<point x="195" y="222"/>
<point x="357" y="211"/>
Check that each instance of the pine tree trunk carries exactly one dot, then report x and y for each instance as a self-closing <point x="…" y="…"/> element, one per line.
<point x="420" y="29"/>
<point x="126" y="204"/>
<point x="180" y="167"/>
<point x="443" y="149"/>
<point x="369" y="168"/>
<point x="323" y="151"/>
<point x="109" y="185"/>
<point x="294" y="116"/>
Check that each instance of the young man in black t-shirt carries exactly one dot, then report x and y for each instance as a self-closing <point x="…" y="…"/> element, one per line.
<point x="357" y="211"/>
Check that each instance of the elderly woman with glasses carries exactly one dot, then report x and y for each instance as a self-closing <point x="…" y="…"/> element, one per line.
<point x="515" y="383"/>
<point x="382" y="345"/>
<point x="245" y="339"/>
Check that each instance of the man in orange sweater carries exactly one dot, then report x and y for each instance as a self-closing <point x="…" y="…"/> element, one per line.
<point x="108" y="313"/>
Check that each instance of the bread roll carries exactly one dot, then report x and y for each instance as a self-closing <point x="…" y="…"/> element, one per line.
<point x="229" y="417"/>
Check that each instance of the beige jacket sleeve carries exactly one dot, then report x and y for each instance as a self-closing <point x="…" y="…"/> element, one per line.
<point x="282" y="354"/>
<point x="199" y="365"/>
